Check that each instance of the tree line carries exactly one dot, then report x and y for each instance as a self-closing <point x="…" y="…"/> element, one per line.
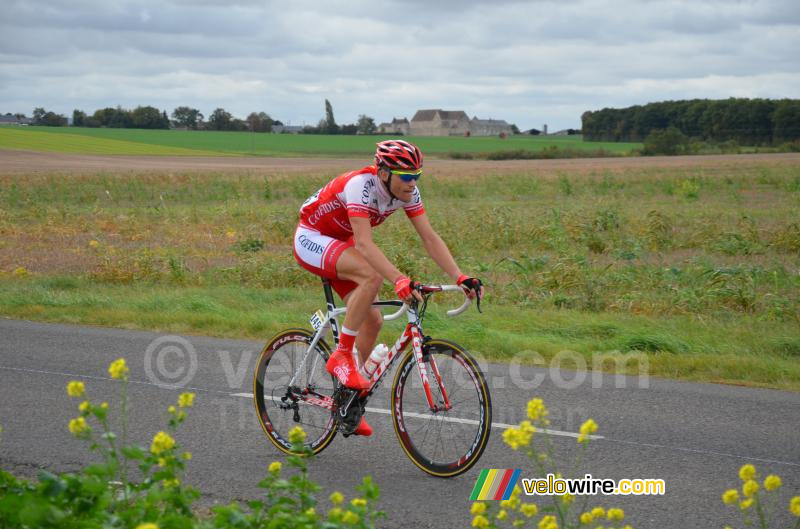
<point x="745" y="121"/>
<point x="148" y="117"/>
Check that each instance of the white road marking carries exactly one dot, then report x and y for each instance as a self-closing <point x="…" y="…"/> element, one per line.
<point x="379" y="410"/>
<point x="500" y="425"/>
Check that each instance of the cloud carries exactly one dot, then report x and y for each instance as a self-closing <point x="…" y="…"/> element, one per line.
<point x="528" y="62"/>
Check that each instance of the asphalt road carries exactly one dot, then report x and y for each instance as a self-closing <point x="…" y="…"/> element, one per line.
<point x="693" y="436"/>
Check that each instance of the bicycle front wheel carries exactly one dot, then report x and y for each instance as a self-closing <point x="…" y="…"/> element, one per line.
<point x="449" y="441"/>
<point x="292" y="388"/>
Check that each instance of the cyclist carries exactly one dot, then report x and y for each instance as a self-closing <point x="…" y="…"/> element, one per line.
<point x="334" y="241"/>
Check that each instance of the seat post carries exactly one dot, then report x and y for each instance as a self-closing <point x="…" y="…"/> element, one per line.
<point x="326" y="286"/>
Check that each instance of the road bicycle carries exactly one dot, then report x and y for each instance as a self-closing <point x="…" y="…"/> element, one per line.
<point x="442" y="416"/>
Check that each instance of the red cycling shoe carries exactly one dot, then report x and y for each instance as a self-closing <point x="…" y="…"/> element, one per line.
<point x="342" y="366"/>
<point x="363" y="428"/>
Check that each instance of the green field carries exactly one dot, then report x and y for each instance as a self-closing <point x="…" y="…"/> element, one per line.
<point x="66" y="141"/>
<point x="165" y="142"/>
<point x="697" y="266"/>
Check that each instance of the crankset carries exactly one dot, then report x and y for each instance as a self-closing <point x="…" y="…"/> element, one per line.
<point x="349" y="409"/>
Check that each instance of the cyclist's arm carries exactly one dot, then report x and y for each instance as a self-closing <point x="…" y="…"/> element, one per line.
<point x="435" y="246"/>
<point x="362" y="236"/>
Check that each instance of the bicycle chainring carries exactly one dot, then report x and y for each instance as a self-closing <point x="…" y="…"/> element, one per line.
<point x="349" y="409"/>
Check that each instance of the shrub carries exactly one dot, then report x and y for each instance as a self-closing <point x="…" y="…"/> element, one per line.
<point x="104" y="495"/>
<point x="669" y="141"/>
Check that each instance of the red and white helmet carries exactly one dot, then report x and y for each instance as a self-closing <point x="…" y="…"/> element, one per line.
<point x="398" y="154"/>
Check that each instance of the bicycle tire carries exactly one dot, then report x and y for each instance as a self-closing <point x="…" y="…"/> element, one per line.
<point x="446" y="443"/>
<point x="278" y="361"/>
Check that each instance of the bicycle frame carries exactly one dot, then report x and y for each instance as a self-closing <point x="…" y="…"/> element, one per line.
<point x="412" y="334"/>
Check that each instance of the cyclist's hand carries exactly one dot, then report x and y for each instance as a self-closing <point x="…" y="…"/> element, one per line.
<point x="407" y="289"/>
<point x="473" y="287"/>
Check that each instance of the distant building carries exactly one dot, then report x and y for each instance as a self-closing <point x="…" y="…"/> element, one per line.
<point x="11" y="119"/>
<point x="397" y="126"/>
<point x="287" y="129"/>
<point x="489" y="127"/>
<point x="437" y="122"/>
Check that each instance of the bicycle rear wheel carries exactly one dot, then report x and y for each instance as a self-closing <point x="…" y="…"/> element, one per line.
<point x="306" y="403"/>
<point x="449" y="442"/>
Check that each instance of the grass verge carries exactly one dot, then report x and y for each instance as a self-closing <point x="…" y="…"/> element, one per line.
<point x="742" y="350"/>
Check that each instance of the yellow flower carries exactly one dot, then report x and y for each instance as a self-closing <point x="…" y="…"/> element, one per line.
<point x="749" y="488"/>
<point x="350" y="518"/>
<point x="162" y="462"/>
<point x="93" y="243"/>
<point x="187" y="456"/>
<point x="20" y="272"/>
<point x="477" y="508"/>
<point x="567" y="498"/>
<point x="185" y="400"/>
<point x="297" y="435"/>
<point x="334" y="513"/>
<point x="794" y="506"/>
<point x="76" y="389"/>
<point x="502" y="515"/>
<point x="587" y="518"/>
<point x="84" y="406"/>
<point x="310" y="511"/>
<point x="171" y="483"/>
<point x="172" y="410"/>
<point x="537" y="410"/>
<point x="336" y="498"/>
<point x="772" y="482"/>
<point x="230" y="234"/>
<point x="746" y="504"/>
<point x="480" y="522"/>
<point x="104" y="405"/>
<point x="730" y="497"/>
<point x="615" y="515"/>
<point x="598" y="512"/>
<point x="517" y="523"/>
<point x="147" y="526"/>
<point x="274" y="468"/>
<point x="516" y="492"/>
<point x="548" y="522"/>
<point x="358" y="502"/>
<point x="161" y="443"/>
<point x="79" y="427"/>
<point x="517" y="437"/>
<point x="587" y="428"/>
<point x="118" y="369"/>
<point x="529" y="509"/>
<point x="747" y="472"/>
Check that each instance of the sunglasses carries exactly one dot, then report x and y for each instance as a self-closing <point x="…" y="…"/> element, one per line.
<point x="407" y="176"/>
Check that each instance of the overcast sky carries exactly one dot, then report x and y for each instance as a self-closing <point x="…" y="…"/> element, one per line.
<point x="529" y="63"/>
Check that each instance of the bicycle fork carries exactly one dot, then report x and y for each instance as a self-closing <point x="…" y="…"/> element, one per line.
<point x="416" y="344"/>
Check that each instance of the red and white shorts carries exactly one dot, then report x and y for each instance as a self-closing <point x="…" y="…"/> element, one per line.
<point x="319" y="253"/>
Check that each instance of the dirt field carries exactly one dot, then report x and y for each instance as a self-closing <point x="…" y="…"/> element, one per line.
<point x="15" y="162"/>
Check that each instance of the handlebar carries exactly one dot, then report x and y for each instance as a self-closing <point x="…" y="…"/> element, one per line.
<point x="427" y="289"/>
<point x="452" y="288"/>
<point x="395" y="315"/>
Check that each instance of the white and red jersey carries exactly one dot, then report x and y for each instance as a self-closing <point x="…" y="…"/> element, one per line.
<point x="355" y="194"/>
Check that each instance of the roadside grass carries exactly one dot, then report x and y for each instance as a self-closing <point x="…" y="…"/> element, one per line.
<point x="680" y="347"/>
<point x="246" y="143"/>
<point x="67" y="141"/>
<point x="698" y="267"/>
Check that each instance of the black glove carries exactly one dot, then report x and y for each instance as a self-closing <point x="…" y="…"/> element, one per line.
<point x="474" y="284"/>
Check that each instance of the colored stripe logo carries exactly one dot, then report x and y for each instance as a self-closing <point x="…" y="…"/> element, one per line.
<point x="495" y="484"/>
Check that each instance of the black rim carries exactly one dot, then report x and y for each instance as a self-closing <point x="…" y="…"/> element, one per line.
<point x="270" y="401"/>
<point x="446" y="443"/>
